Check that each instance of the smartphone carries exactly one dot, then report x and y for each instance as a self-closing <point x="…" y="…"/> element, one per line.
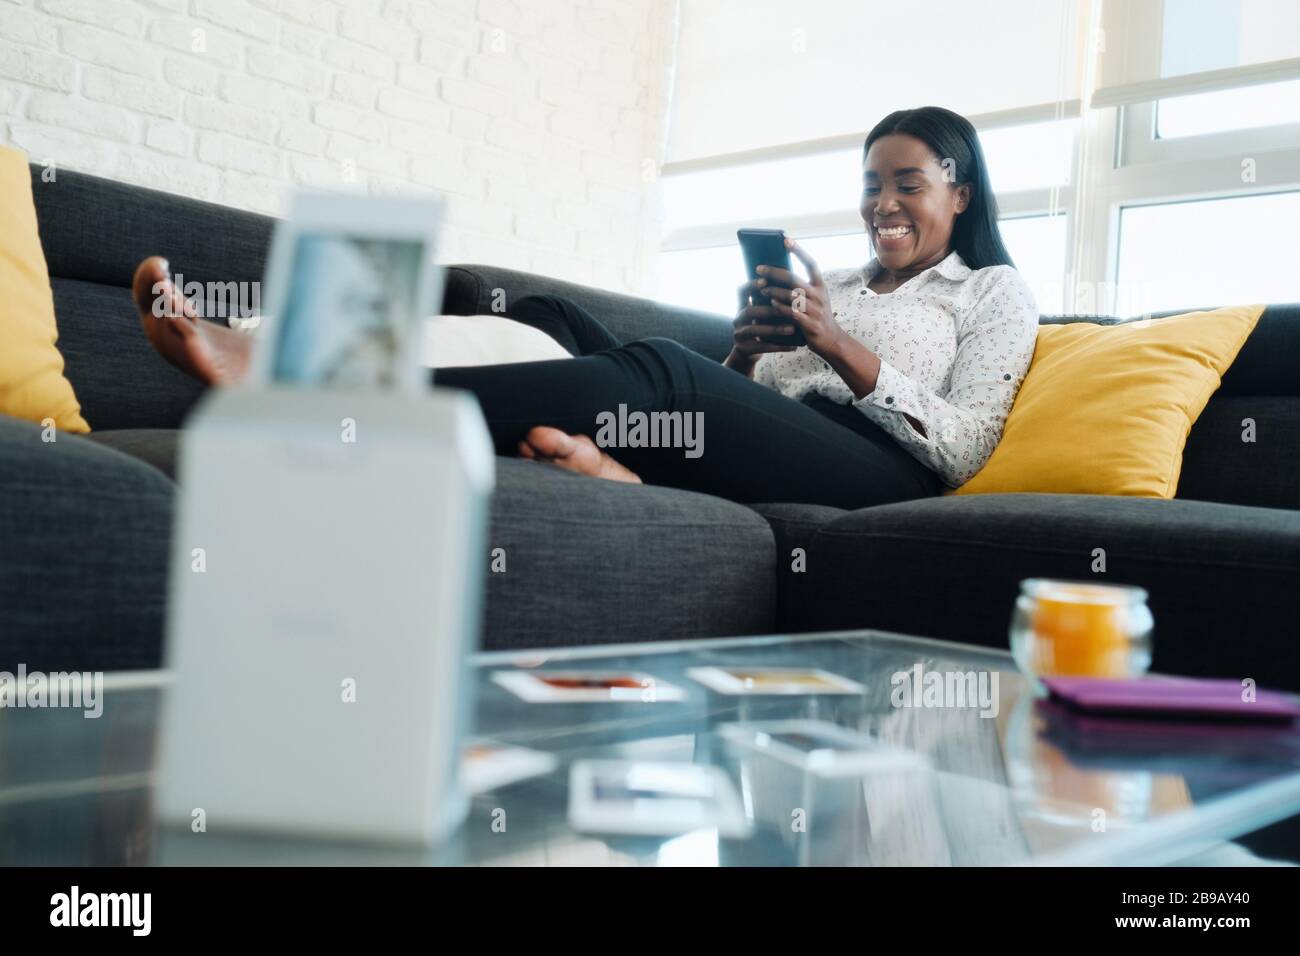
<point x="766" y="247"/>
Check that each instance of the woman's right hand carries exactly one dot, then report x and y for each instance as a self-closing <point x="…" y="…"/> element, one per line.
<point x="752" y="324"/>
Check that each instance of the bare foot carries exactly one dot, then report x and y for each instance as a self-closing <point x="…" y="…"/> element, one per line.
<point x="210" y="352"/>
<point x="573" y="453"/>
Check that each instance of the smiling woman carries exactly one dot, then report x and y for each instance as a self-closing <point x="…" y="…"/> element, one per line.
<point x="926" y="192"/>
<point x="942" y="295"/>
<point x="909" y="371"/>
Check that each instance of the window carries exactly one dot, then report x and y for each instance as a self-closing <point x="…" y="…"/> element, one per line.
<point x="753" y="74"/>
<point x="1207" y="119"/>
<point x="1210" y="253"/>
<point x="815" y="198"/>
<point x="1037" y="245"/>
<point x="1138" y="124"/>
<point x="847" y="251"/>
<point x="702" y="278"/>
<point x="708" y="278"/>
<point x="759" y="192"/>
<point x="1251" y="107"/>
<point x="1031" y="156"/>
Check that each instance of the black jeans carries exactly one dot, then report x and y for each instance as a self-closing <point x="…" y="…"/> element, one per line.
<point x="757" y="444"/>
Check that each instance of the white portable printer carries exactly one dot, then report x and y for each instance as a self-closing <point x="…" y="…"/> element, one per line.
<point x="328" y="554"/>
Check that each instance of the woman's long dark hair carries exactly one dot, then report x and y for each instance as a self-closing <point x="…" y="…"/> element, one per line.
<point x="975" y="234"/>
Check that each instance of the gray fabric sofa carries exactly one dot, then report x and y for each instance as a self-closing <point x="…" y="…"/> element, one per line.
<point x="84" y="521"/>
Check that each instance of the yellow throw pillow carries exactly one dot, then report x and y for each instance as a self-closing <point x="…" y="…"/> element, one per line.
<point x="32" y="385"/>
<point x="1106" y="410"/>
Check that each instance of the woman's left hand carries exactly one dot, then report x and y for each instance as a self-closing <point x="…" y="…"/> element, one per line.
<point x="806" y="303"/>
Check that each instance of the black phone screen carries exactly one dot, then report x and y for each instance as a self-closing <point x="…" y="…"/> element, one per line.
<point x="766" y="247"/>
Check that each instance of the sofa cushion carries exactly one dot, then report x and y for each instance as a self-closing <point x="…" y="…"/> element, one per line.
<point x="1268" y="363"/>
<point x="122" y="381"/>
<point x="1243" y="451"/>
<point x="589" y="561"/>
<point x="98" y="230"/>
<point x="794" y="527"/>
<point x="154" y="446"/>
<point x="84" y="536"/>
<point x="1222" y="578"/>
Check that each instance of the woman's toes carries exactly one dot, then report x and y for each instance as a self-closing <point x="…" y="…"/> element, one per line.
<point x="211" y="353"/>
<point x="148" y="273"/>
<point x="155" y="295"/>
<point x="547" y="442"/>
<point x="576" y="453"/>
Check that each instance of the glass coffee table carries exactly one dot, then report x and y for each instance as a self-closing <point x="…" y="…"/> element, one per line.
<point x="1009" y="780"/>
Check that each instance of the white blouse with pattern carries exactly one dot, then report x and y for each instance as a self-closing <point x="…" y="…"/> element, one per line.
<point x="954" y="345"/>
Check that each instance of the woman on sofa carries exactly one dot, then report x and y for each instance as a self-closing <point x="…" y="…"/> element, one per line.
<point x="911" y="367"/>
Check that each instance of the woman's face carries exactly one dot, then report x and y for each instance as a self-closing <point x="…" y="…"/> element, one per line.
<point x="907" y="206"/>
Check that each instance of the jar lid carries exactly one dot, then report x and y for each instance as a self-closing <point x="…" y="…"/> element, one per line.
<point x="1082" y="592"/>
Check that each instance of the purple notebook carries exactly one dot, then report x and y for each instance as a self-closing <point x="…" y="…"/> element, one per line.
<point x="1171" y="697"/>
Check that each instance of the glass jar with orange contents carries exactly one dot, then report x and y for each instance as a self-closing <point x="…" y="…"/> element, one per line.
<point x="1072" y="628"/>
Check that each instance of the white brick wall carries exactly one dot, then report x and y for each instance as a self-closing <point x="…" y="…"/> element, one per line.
<point x="534" y="118"/>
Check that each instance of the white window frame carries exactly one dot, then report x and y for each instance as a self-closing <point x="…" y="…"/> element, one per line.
<point x="1129" y="166"/>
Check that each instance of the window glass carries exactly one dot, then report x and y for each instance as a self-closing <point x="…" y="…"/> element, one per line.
<point x="1037" y="246"/>
<point x="1032" y="156"/>
<point x="1249" y="107"/>
<point x="1209" y="253"/>
<point x="829" y="182"/>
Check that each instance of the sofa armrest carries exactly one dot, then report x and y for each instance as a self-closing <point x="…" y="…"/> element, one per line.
<point x="472" y="290"/>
